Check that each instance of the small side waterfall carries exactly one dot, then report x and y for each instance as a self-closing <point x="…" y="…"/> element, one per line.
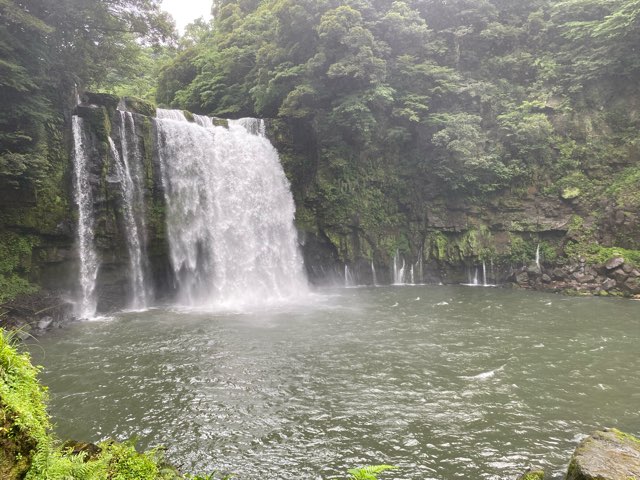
<point x="398" y="273"/>
<point x="473" y="276"/>
<point x="87" y="303"/>
<point x="484" y="273"/>
<point x="348" y="278"/>
<point x="413" y="279"/>
<point x="373" y="275"/>
<point x="538" y="257"/>
<point x="229" y="213"/>
<point x="132" y="213"/>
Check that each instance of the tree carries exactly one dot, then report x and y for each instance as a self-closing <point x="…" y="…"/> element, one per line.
<point x="47" y="48"/>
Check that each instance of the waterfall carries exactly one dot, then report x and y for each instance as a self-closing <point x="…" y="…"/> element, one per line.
<point x="484" y="273"/>
<point x="86" y="305"/>
<point x="348" y="279"/>
<point x="413" y="280"/>
<point x="538" y="257"/>
<point x="130" y="178"/>
<point x="475" y="277"/>
<point x="373" y="274"/>
<point x="398" y="273"/>
<point x="229" y="213"/>
<point x="420" y="267"/>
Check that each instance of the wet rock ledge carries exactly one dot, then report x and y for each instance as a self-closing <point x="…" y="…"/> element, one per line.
<point x="608" y="454"/>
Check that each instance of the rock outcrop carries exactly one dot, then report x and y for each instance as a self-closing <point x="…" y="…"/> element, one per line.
<point x="616" y="277"/>
<point x="607" y="454"/>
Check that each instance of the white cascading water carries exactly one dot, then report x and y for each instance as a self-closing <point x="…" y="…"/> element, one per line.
<point x="474" y="281"/>
<point x="132" y="211"/>
<point x="229" y="214"/>
<point x="348" y="278"/>
<point x="484" y="273"/>
<point x="398" y="272"/>
<point x="87" y="303"/>
<point x="373" y="274"/>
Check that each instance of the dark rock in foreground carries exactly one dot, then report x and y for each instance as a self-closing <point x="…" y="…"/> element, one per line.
<point x="608" y="454"/>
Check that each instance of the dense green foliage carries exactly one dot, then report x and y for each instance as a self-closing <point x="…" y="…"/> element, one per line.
<point x="23" y="418"/>
<point x="15" y="259"/>
<point x="388" y="114"/>
<point x="406" y="101"/>
<point x="28" y="449"/>
<point x="47" y="48"/>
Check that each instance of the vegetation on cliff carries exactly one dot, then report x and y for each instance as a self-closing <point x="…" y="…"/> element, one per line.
<point x="396" y="106"/>
<point x="46" y="50"/>
<point x="403" y="125"/>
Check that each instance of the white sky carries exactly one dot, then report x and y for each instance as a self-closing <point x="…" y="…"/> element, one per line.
<point x="186" y="11"/>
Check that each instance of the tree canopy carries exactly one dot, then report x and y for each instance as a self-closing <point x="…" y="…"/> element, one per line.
<point x="46" y="47"/>
<point x="418" y="96"/>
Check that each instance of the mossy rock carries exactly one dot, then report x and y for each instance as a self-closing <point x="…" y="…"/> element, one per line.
<point x="101" y="99"/>
<point x="23" y="419"/>
<point x="16" y="447"/>
<point x="96" y="120"/>
<point x="607" y="454"/>
<point x="220" y="122"/>
<point x="532" y="474"/>
<point x="570" y="193"/>
<point x="137" y="105"/>
<point x="189" y="116"/>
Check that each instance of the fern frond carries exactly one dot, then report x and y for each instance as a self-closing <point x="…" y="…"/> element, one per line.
<point x="369" y="472"/>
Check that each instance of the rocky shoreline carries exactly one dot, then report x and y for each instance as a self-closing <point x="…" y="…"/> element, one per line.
<point x="615" y="277"/>
<point x="34" y="314"/>
<point x="607" y="454"/>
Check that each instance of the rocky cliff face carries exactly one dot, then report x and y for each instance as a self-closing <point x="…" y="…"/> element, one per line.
<point x="556" y="230"/>
<point x="580" y="234"/>
<point x="102" y="122"/>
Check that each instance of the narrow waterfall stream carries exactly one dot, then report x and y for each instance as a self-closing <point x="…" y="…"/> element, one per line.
<point x="134" y="182"/>
<point x="229" y="214"/>
<point x="132" y="235"/>
<point x="88" y="269"/>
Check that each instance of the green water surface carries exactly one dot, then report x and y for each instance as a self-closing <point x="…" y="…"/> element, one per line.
<point x="444" y="382"/>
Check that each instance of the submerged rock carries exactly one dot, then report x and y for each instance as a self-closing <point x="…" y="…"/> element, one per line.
<point x="608" y="454"/>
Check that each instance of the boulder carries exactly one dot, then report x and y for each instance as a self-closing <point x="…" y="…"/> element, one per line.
<point x="558" y="274"/>
<point x="632" y="285"/>
<point x="619" y="276"/>
<point x="533" y="473"/>
<point x="522" y="278"/>
<point x="580" y="278"/>
<point x="614" y="263"/>
<point x="546" y="278"/>
<point x="533" y="269"/>
<point x="607" y="454"/>
<point x="609" y="284"/>
<point x="90" y="451"/>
